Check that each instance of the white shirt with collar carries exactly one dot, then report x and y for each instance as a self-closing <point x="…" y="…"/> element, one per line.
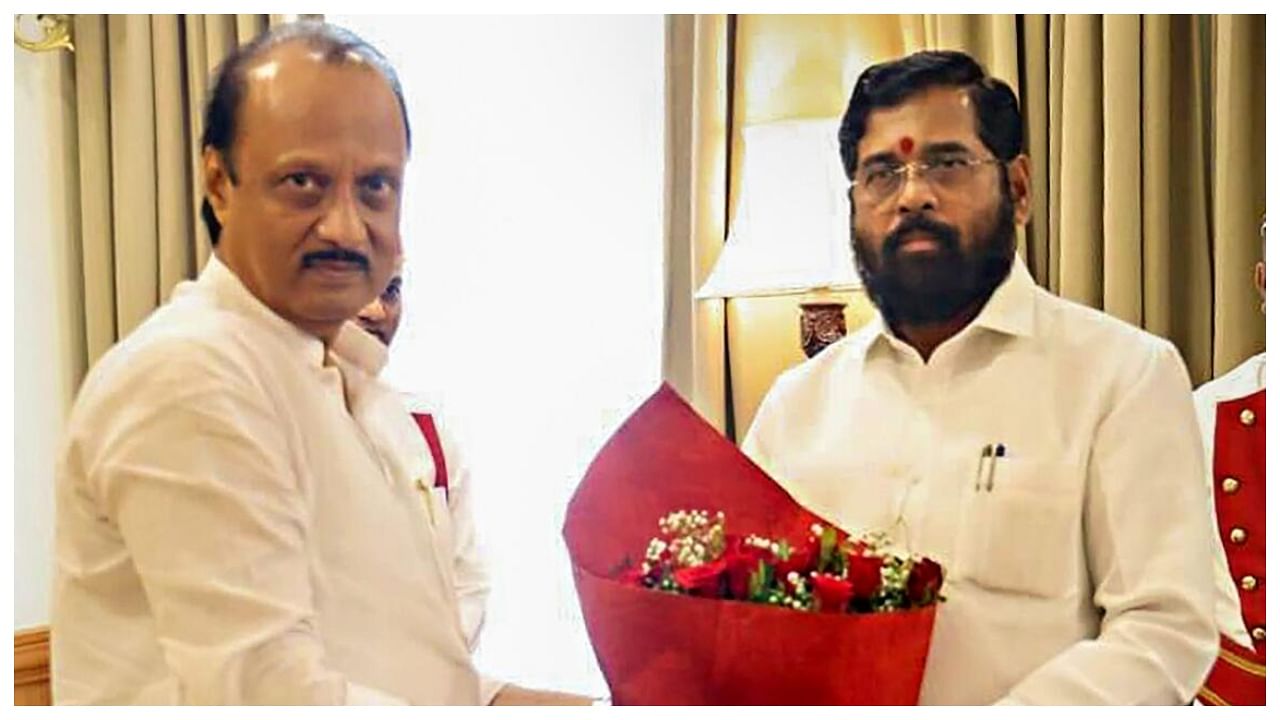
<point x="1083" y="574"/>
<point x="1243" y="380"/>
<point x="229" y="532"/>
<point x="471" y="578"/>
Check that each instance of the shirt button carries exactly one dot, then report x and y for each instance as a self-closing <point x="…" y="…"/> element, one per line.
<point x="1230" y="485"/>
<point x="1248" y="582"/>
<point x="1246" y="416"/>
<point x="1238" y="536"/>
<point x="1259" y="633"/>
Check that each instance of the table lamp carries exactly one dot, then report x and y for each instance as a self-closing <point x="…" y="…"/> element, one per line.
<point x="790" y="232"/>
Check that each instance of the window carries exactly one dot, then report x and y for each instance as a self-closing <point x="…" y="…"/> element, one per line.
<point x="533" y="282"/>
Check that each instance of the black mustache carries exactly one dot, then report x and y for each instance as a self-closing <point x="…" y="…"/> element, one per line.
<point x="946" y="235"/>
<point x="335" y="255"/>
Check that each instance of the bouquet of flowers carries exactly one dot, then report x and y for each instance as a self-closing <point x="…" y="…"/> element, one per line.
<point x="794" y="613"/>
<point x="693" y="555"/>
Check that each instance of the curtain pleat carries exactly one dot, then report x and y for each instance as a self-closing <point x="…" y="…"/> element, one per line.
<point x="141" y="82"/>
<point x="698" y="87"/>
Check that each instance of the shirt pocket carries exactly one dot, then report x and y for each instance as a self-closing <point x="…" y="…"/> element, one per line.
<point x="1021" y="532"/>
<point x="441" y="519"/>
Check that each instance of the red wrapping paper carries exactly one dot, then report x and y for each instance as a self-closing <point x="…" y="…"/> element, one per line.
<point x="657" y="648"/>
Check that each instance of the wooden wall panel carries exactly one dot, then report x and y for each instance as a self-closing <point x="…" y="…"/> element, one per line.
<point x="31" y="667"/>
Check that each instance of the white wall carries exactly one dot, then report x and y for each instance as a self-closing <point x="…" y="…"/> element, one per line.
<point x="533" y="282"/>
<point x="47" y="338"/>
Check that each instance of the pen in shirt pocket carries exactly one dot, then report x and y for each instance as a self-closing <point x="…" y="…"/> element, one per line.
<point x="982" y="465"/>
<point x="996" y="454"/>
<point x="986" y="477"/>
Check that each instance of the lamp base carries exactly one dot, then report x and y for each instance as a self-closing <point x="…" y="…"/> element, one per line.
<point x="821" y="324"/>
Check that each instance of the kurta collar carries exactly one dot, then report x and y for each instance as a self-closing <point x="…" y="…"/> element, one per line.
<point x="1010" y="310"/>
<point x="352" y="344"/>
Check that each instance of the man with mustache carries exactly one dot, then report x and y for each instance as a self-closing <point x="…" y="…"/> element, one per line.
<point x="1046" y="454"/>
<point x="381" y="317"/>
<point x="237" y="519"/>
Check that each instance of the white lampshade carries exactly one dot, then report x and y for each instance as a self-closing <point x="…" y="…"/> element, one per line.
<point x="790" y="232"/>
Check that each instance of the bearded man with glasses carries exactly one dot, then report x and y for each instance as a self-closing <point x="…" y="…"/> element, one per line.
<point x="1046" y="454"/>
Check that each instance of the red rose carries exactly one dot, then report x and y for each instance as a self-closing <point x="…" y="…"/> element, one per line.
<point x="801" y="559"/>
<point x="832" y="593"/>
<point x="703" y="580"/>
<point x="864" y="574"/>
<point x="636" y="575"/>
<point x="740" y="561"/>
<point x="924" y="582"/>
<point x="633" y="575"/>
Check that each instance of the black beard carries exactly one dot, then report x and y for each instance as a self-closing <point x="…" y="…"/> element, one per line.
<point x="936" y="288"/>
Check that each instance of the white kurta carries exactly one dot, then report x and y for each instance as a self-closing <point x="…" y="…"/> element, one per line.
<point x="1245" y="379"/>
<point x="1083" y="575"/>
<point x="227" y="531"/>
<point x="471" y="578"/>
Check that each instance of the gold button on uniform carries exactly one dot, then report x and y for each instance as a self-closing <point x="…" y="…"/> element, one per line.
<point x="1259" y="634"/>
<point x="1246" y="416"/>
<point x="1238" y="536"/>
<point x="1230" y="485"/>
<point x="1248" y="582"/>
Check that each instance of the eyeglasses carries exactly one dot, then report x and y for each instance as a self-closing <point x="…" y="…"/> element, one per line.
<point x="878" y="182"/>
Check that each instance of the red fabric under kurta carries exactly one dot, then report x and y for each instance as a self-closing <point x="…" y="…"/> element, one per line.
<point x="663" y="649"/>
<point x="1238" y="676"/>
<point x="427" y="425"/>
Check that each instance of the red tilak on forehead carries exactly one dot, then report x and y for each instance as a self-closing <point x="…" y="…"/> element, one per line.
<point x="906" y="144"/>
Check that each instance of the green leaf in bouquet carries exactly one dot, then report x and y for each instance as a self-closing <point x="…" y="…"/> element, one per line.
<point x="784" y="550"/>
<point x="755" y="585"/>
<point x="828" y="558"/>
<point x="767" y="591"/>
<point x="760" y="586"/>
<point x="889" y="599"/>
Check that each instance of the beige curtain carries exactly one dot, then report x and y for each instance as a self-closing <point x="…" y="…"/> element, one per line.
<point x="1147" y="137"/>
<point x="697" y="94"/>
<point x="140" y="84"/>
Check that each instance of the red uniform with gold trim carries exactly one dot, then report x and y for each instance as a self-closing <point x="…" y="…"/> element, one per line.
<point x="1233" y="412"/>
